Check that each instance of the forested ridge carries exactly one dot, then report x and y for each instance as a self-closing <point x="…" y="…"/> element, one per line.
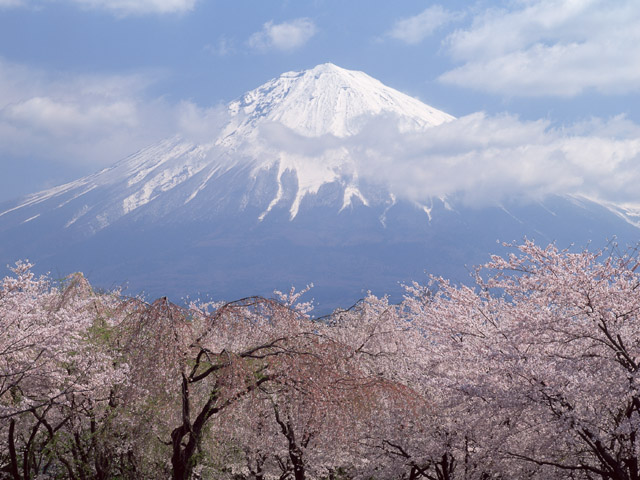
<point x="531" y="373"/>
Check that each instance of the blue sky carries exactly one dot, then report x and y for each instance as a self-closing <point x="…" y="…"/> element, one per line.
<point x="84" y="83"/>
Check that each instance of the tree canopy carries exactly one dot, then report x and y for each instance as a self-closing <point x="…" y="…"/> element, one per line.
<point x="530" y="373"/>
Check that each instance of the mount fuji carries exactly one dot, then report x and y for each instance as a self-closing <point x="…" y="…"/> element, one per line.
<point x="280" y="195"/>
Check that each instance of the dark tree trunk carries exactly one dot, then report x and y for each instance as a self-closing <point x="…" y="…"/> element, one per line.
<point x="445" y="468"/>
<point x="298" y="464"/>
<point x="13" y="458"/>
<point x="295" y="452"/>
<point x="181" y="460"/>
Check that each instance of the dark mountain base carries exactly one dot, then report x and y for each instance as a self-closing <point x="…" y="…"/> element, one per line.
<point x="344" y="255"/>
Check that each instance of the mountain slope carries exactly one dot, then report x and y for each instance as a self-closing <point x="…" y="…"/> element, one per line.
<point x="279" y="196"/>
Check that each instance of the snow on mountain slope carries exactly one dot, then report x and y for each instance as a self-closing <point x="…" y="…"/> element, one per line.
<point x="294" y="109"/>
<point x="119" y="190"/>
<point x="630" y="212"/>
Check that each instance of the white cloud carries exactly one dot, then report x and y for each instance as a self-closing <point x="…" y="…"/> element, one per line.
<point x="485" y="160"/>
<point x="118" y="7"/>
<point x="137" y="7"/>
<point x="223" y="47"/>
<point x="550" y="47"/>
<point x="414" y="29"/>
<point x="87" y="120"/>
<point x="286" y="36"/>
<point x="11" y="3"/>
<point x="200" y="124"/>
<point x="47" y="114"/>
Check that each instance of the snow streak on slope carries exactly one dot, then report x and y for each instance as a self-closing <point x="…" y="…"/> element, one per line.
<point x="126" y="186"/>
<point x="630" y="212"/>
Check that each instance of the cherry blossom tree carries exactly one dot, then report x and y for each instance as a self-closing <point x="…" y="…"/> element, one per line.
<point x="308" y="422"/>
<point x="531" y="373"/>
<point x="414" y="428"/>
<point x="294" y="384"/>
<point x="545" y="352"/>
<point x="231" y="353"/>
<point x="55" y="380"/>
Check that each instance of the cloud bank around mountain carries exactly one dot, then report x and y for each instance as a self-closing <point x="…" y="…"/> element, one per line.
<point x="488" y="159"/>
<point x="484" y="160"/>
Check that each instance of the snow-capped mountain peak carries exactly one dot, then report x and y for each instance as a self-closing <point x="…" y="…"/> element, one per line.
<point x="267" y="144"/>
<point x="328" y="99"/>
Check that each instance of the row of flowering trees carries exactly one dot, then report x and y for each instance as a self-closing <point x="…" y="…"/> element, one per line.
<point x="532" y="373"/>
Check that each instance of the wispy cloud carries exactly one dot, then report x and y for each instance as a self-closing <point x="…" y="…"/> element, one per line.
<point x="11" y="3"/>
<point x="137" y="7"/>
<point x="223" y="47"/>
<point x="550" y="47"/>
<point x="87" y="119"/>
<point x="414" y="30"/>
<point x="286" y="36"/>
<point x="117" y="7"/>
